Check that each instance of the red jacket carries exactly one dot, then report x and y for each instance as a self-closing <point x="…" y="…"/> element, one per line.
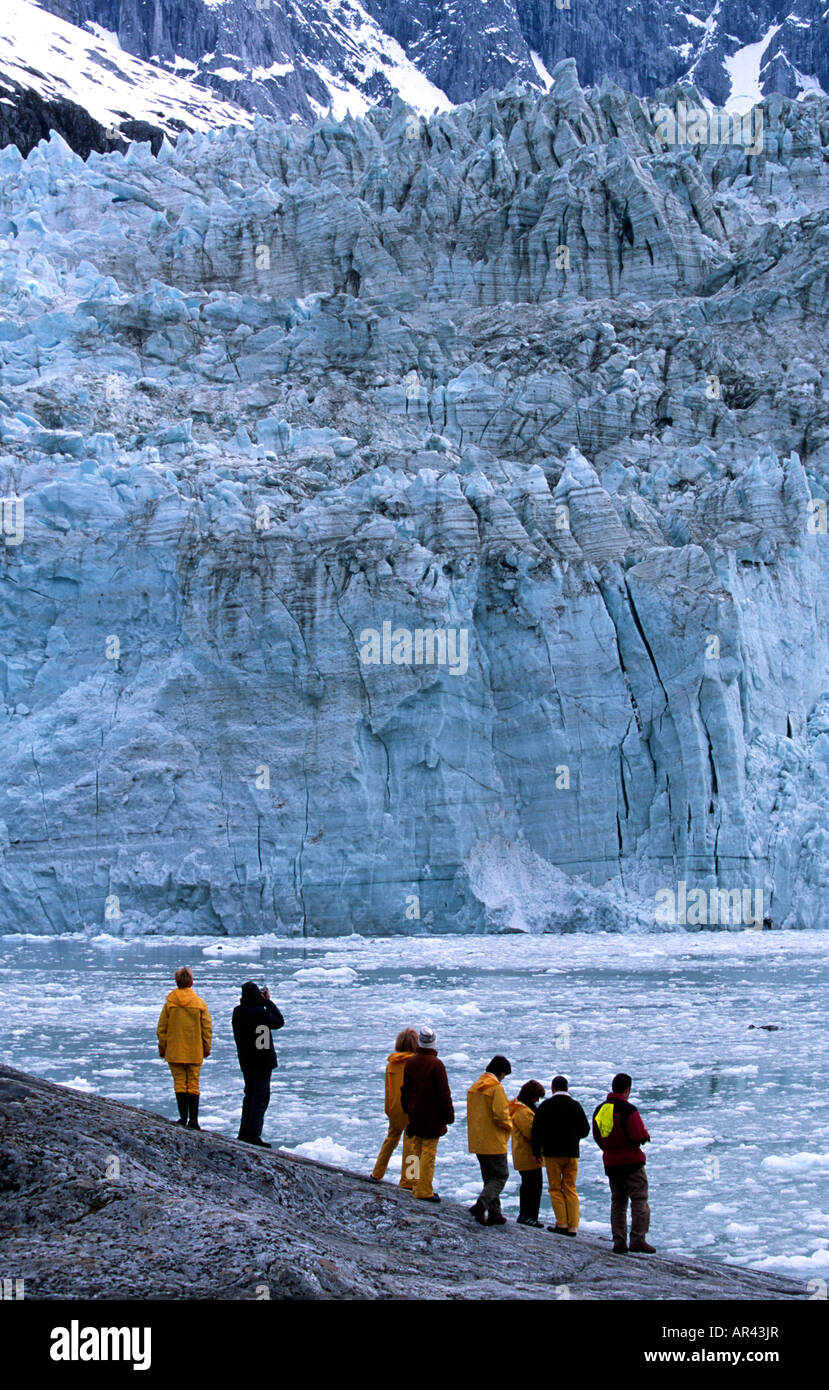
<point x="425" y="1095"/>
<point x="619" y="1141"/>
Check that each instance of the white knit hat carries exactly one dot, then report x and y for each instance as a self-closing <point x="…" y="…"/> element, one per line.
<point x="427" y="1037"/>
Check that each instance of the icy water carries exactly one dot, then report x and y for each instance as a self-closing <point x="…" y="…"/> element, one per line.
<point x="739" y="1118"/>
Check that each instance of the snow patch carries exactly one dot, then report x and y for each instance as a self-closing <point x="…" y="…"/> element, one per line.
<point x="543" y="72"/>
<point x="743" y="68"/>
<point x="59" y="61"/>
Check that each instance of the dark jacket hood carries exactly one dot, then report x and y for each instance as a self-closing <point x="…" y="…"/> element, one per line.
<point x="251" y="993"/>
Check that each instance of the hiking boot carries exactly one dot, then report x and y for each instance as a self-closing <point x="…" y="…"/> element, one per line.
<point x="570" y="1233"/>
<point x="479" y="1213"/>
<point x="619" y="1247"/>
<point x="559" y="1230"/>
<point x="373" y="1179"/>
<point x="259" y="1143"/>
<point x="641" y="1247"/>
<point x="181" y="1102"/>
<point x="529" y="1221"/>
<point x="434" y="1198"/>
<point x="193" y="1112"/>
<point x="496" y="1219"/>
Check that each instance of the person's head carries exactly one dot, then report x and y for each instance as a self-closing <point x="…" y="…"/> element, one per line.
<point x="183" y="977"/>
<point x="531" y="1092"/>
<point x="251" y="993"/>
<point x="427" y="1037"/>
<point x="406" y="1041"/>
<point x="621" y="1084"/>
<point x="560" y="1083"/>
<point x="499" y="1066"/>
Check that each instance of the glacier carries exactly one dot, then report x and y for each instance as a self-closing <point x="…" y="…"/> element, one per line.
<point x="517" y="370"/>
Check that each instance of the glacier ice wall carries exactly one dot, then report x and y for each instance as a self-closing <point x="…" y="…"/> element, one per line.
<point x="519" y="374"/>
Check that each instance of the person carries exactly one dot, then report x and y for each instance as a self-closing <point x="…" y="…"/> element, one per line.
<point x="618" y="1130"/>
<point x="522" y="1113"/>
<point x="185" y="1032"/>
<point x="254" y="1021"/>
<point x="405" y="1046"/>
<point x="426" y="1099"/>
<point x="558" y="1128"/>
<point x="489" y="1127"/>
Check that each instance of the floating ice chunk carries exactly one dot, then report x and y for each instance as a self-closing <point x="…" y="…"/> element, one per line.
<point x="317" y="974"/>
<point x="819" y="1259"/>
<point x="797" y="1163"/>
<point x="224" y="950"/>
<point x="469" y="1009"/>
<point x="326" y="1151"/>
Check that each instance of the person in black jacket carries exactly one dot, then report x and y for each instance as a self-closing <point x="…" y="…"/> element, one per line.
<point x="559" y="1125"/>
<point x="254" y="1020"/>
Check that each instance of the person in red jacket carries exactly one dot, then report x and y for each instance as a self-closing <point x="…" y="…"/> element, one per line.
<point x="427" y="1100"/>
<point x="618" y="1130"/>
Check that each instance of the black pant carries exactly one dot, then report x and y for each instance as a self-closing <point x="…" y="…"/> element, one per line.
<point x="494" y="1171"/>
<point x="529" y="1193"/>
<point x="255" y="1103"/>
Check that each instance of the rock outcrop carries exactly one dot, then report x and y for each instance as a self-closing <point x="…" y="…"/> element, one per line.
<point x="284" y="60"/>
<point x="103" y="1201"/>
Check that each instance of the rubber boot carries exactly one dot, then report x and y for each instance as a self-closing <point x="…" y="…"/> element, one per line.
<point x="193" y="1112"/>
<point x="181" y="1102"/>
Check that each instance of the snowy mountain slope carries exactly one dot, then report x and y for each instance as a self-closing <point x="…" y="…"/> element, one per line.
<point x="286" y="60"/>
<point x="49" y="65"/>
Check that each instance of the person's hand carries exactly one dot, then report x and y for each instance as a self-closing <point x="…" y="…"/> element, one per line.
<point x="206" y="1053"/>
<point x="161" y="1053"/>
<point x="266" y="994"/>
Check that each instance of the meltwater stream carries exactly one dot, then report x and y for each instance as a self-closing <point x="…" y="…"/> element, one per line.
<point x="739" y="1116"/>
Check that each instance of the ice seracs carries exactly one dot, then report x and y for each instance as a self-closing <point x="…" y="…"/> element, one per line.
<point x="278" y="387"/>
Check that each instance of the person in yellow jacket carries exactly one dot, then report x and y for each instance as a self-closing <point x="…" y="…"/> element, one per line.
<point x="405" y="1046"/>
<point x="524" y="1161"/>
<point x="185" y="1032"/>
<point x="489" y="1127"/>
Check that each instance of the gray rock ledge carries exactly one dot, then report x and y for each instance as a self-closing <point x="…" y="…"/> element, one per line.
<point x="200" y="1216"/>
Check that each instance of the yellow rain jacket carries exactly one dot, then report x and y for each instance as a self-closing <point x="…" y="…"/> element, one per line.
<point x="185" y="1029"/>
<point x="523" y="1158"/>
<point x="394" y="1080"/>
<point x="487" y="1116"/>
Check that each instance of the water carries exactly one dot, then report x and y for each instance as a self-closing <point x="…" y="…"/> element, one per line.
<point x="739" y="1118"/>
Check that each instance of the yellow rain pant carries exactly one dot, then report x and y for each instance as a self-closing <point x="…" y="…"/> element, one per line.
<point x="185" y="1077"/>
<point x="422" y="1166"/>
<point x="389" y="1145"/>
<point x="561" y="1178"/>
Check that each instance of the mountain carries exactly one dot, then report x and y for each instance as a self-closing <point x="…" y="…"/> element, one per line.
<point x="282" y="60"/>
<point x="521" y="378"/>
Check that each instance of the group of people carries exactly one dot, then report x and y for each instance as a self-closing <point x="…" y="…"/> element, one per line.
<point x="544" y="1134"/>
<point x="185" y="1036"/>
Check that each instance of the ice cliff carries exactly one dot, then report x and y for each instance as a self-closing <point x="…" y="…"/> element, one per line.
<point x="518" y="372"/>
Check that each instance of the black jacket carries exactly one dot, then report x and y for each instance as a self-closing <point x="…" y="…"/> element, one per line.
<point x="559" y="1125"/>
<point x="253" y="1023"/>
